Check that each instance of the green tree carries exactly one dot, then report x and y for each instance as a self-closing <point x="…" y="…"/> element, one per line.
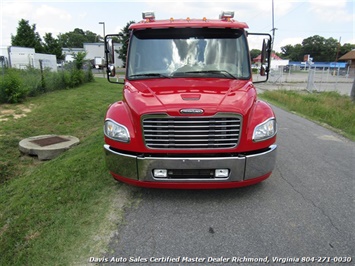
<point x="320" y="49"/>
<point x="79" y="60"/>
<point x="345" y="48"/>
<point x="26" y="36"/>
<point x="52" y="46"/>
<point x="92" y="37"/>
<point x="76" y="38"/>
<point x="123" y="37"/>
<point x="292" y="52"/>
<point x="254" y="53"/>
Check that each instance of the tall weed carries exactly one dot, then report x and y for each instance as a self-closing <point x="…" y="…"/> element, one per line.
<point x="18" y="84"/>
<point x="12" y="88"/>
<point x="330" y="108"/>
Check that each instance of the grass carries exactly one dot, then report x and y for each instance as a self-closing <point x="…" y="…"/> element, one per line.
<point x="329" y="108"/>
<point x="49" y="210"/>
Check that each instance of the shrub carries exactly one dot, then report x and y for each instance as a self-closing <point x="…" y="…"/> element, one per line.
<point x="11" y="87"/>
<point x="17" y="84"/>
<point x="32" y="80"/>
<point x="77" y="77"/>
<point x="89" y="76"/>
<point x="56" y="80"/>
<point x="255" y="70"/>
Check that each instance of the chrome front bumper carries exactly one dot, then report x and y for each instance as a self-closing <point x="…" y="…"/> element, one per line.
<point x="241" y="168"/>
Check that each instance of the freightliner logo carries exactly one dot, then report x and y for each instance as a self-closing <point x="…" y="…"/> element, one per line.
<point x="191" y="111"/>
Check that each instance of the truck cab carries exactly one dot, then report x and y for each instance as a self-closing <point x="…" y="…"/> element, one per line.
<point x="190" y="117"/>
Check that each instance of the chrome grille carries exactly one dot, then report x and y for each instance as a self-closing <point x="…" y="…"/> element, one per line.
<point x="217" y="132"/>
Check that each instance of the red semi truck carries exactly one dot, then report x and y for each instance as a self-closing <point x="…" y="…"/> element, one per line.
<point x="189" y="117"/>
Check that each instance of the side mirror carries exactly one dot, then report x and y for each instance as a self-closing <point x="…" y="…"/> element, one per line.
<point x="110" y="51"/>
<point x="110" y="58"/>
<point x="265" y="59"/>
<point x="111" y="70"/>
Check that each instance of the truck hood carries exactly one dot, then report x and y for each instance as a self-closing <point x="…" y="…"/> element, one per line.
<point x="171" y="95"/>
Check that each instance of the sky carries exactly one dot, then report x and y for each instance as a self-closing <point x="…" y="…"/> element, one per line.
<point x="293" y="20"/>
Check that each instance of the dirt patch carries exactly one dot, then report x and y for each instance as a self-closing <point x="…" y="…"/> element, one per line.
<point x="9" y="111"/>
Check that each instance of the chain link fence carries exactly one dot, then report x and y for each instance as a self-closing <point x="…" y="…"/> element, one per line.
<point x="311" y="80"/>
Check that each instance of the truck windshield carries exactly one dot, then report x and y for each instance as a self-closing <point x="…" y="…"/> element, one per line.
<point x="188" y="52"/>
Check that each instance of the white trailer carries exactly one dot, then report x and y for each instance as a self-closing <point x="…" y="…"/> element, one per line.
<point x="23" y="57"/>
<point x="48" y="61"/>
<point x="98" y="62"/>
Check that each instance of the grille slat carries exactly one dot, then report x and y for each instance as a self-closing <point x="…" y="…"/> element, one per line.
<point x="189" y="140"/>
<point x="165" y="132"/>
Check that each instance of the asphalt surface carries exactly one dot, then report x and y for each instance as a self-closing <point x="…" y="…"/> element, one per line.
<point x="304" y="211"/>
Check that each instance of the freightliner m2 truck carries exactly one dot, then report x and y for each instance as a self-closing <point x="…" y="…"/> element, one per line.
<point x="190" y="117"/>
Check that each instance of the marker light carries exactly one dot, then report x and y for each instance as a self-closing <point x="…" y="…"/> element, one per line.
<point x="149" y="15"/>
<point x="226" y="15"/>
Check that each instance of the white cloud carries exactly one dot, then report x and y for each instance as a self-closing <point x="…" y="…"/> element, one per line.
<point x="83" y="15"/>
<point x="51" y="13"/>
<point x="47" y="19"/>
<point x="11" y="14"/>
<point x="331" y="11"/>
<point x="330" y="4"/>
<point x="16" y="9"/>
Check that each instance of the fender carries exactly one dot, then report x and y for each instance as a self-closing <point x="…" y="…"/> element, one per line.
<point x="120" y="113"/>
<point x="260" y="112"/>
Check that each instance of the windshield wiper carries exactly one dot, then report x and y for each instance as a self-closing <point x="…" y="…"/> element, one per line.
<point x="149" y="75"/>
<point x="223" y="72"/>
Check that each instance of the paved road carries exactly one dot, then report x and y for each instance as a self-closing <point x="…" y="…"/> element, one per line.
<point x="305" y="209"/>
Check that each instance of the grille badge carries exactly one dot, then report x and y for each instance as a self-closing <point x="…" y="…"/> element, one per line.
<point x="192" y="111"/>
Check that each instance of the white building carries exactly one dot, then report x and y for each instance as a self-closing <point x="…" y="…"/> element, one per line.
<point x="276" y="61"/>
<point x="94" y="52"/>
<point x="97" y="50"/>
<point x="70" y="52"/>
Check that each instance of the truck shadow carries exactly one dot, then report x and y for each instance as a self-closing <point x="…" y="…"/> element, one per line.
<point x="200" y="194"/>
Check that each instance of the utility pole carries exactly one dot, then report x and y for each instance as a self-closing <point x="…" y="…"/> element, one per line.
<point x="273" y="26"/>
<point x="103" y="25"/>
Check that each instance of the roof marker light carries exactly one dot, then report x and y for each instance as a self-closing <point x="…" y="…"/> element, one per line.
<point x="149" y="15"/>
<point x="226" y="15"/>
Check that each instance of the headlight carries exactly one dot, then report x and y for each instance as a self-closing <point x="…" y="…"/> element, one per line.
<point x="265" y="130"/>
<point x="116" y="131"/>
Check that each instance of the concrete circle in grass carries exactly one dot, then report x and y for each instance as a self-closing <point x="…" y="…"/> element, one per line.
<point x="47" y="147"/>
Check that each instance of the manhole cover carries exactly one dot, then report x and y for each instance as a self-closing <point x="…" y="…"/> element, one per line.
<point x="49" y="141"/>
<point x="47" y="147"/>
